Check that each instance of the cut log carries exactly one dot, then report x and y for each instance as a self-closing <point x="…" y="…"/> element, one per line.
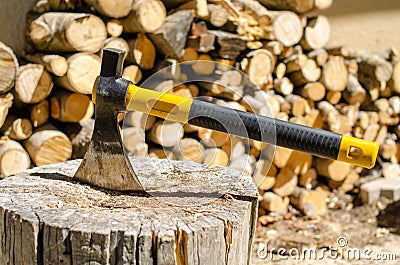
<point x="211" y="138"/>
<point x="215" y="157"/>
<point x="299" y="105"/>
<point x="83" y="69"/>
<point x="298" y="6"/>
<point x="204" y="65"/>
<point x="141" y="19"/>
<point x="286" y="182"/>
<point x="264" y="175"/>
<point x="53" y="63"/>
<point x="170" y="38"/>
<point x="227" y="45"/>
<point x="141" y="52"/>
<point x="6" y="102"/>
<point x="17" y="128"/>
<point x="309" y="72"/>
<point x="316" y="33"/>
<point x="310" y="202"/>
<point x="133" y="139"/>
<point x="307" y="180"/>
<point x="394" y="82"/>
<point x="376" y="67"/>
<point x="261" y="65"/>
<point x="283" y="85"/>
<point x="47" y="145"/>
<point x="314" y="91"/>
<point x="33" y="83"/>
<point x="70" y="107"/>
<point x="115" y="9"/>
<point x="132" y="73"/>
<point x="139" y="120"/>
<point x="333" y="97"/>
<point x="189" y="54"/>
<point x="189" y="149"/>
<point x="66" y="32"/>
<point x="388" y="149"/>
<point x="148" y="229"/>
<point x="319" y="55"/>
<point x="114" y="28"/>
<point x="287" y="27"/>
<point x="347" y="184"/>
<point x="354" y="92"/>
<point x="13" y="158"/>
<point x="219" y="15"/>
<point x="332" y="169"/>
<point x="117" y="43"/>
<point x="235" y="147"/>
<point x="334" y="74"/>
<point x="245" y="164"/>
<point x="166" y="134"/>
<point x="274" y="203"/>
<point x="39" y="113"/>
<point x="8" y="68"/>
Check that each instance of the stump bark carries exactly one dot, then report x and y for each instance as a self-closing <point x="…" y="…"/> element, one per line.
<point x="49" y="219"/>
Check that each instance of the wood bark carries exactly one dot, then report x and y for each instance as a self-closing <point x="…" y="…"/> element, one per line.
<point x="39" y="113"/>
<point x="33" y="83"/>
<point x="13" y="158"/>
<point x="121" y="228"/>
<point x="8" y="68"/>
<point x="299" y="6"/>
<point x="66" y="32"/>
<point x="227" y="45"/>
<point x="170" y="38"/>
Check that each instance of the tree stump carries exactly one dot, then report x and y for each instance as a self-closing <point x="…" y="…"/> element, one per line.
<point x="49" y="219"/>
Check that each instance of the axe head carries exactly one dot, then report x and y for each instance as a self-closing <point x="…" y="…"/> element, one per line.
<point x="105" y="164"/>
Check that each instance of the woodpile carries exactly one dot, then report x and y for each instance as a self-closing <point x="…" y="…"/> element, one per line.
<point x="46" y="106"/>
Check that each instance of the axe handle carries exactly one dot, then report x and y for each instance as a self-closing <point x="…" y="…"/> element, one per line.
<point x="245" y="124"/>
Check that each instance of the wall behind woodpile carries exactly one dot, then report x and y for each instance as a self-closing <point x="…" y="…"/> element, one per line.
<point x="358" y="24"/>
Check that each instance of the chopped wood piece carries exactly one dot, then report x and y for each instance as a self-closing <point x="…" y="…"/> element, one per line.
<point x="166" y="134"/>
<point x="234" y="147"/>
<point x="189" y="149"/>
<point x="295" y="62"/>
<point x="299" y="105"/>
<point x="287" y="27"/>
<point x="314" y="91"/>
<point x="347" y="184"/>
<point x="316" y="33"/>
<point x="332" y="169"/>
<point x="115" y="9"/>
<point x="388" y="149"/>
<point x="245" y="164"/>
<point x="82" y="72"/>
<point x="53" y="63"/>
<point x="140" y="19"/>
<point x="80" y="135"/>
<point x="227" y="45"/>
<point x="394" y="82"/>
<point x="319" y="55"/>
<point x="8" y="68"/>
<point x="132" y="73"/>
<point x="114" y="28"/>
<point x="261" y="66"/>
<point x="283" y="85"/>
<point x="310" y="202"/>
<point x="334" y="74"/>
<point x="376" y="67"/>
<point x="274" y="203"/>
<point x="371" y="132"/>
<point x="189" y="54"/>
<point x="306" y="180"/>
<point x="117" y="43"/>
<point x="141" y="52"/>
<point x="170" y="38"/>
<point x="215" y="157"/>
<point x="322" y="4"/>
<point x="139" y="120"/>
<point x="6" y="102"/>
<point x="66" y="32"/>
<point x="39" y="113"/>
<point x="211" y="138"/>
<point x="333" y="97"/>
<point x="47" y="145"/>
<point x="309" y="72"/>
<point x="133" y="139"/>
<point x="33" y="83"/>
<point x="204" y="65"/>
<point x="264" y="175"/>
<point x="286" y="182"/>
<point x="70" y="107"/>
<point x="354" y="92"/>
<point x="383" y="187"/>
<point x="17" y="128"/>
<point x="13" y="158"/>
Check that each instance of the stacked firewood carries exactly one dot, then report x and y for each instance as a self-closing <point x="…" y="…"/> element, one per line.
<point x="46" y="111"/>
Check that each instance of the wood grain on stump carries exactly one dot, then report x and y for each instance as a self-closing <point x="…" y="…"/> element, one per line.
<point x="49" y="219"/>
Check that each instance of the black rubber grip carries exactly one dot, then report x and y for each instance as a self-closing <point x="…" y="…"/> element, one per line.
<point x="265" y="129"/>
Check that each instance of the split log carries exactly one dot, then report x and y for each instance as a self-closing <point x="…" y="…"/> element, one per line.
<point x="8" y="68"/>
<point x="211" y="138"/>
<point x="286" y="27"/>
<point x="115" y="9"/>
<point x="132" y="73"/>
<point x="333" y="97"/>
<point x="299" y="6"/>
<point x="17" y="128"/>
<point x="83" y="69"/>
<point x="354" y="92"/>
<point x="13" y="158"/>
<point x="334" y="74"/>
<point x="264" y="175"/>
<point x="314" y="91"/>
<point x="283" y="85"/>
<point x="316" y="33"/>
<point x="189" y="149"/>
<point x="332" y="169"/>
<point x="274" y="203"/>
<point x="133" y="139"/>
<point x="309" y="72"/>
<point x="220" y="223"/>
<point x="215" y="157"/>
<point x="141" y="20"/>
<point x="6" y="102"/>
<point x="114" y="28"/>
<point x="33" y="83"/>
<point x="260" y="66"/>
<point x="70" y="107"/>
<point x="66" y="32"/>
<point x="170" y="38"/>
<point x="376" y="67"/>
<point x="39" y="113"/>
<point x="47" y="145"/>
<point x="166" y="134"/>
<point x="319" y="55"/>
<point x="139" y="120"/>
<point x="308" y="179"/>
<point x="286" y="182"/>
<point x="227" y="45"/>
<point x="141" y="52"/>
<point x="245" y="164"/>
<point x="310" y="202"/>
<point x="53" y="63"/>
